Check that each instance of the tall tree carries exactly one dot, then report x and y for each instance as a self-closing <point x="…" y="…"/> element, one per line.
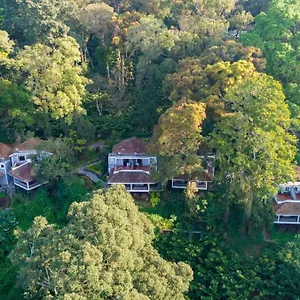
<point x="254" y="147"/>
<point x="276" y="32"/>
<point x="54" y="76"/>
<point x="17" y="110"/>
<point x="177" y="138"/>
<point x="105" y="251"/>
<point x="206" y="84"/>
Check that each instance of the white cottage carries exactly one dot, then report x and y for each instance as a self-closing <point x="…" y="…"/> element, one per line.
<point x="130" y="165"/>
<point x="287" y="206"/>
<point x="21" y="164"/>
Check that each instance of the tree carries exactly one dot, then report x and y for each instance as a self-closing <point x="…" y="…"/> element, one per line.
<point x="6" y="44"/>
<point x="54" y="77"/>
<point x="105" y="251"/>
<point x="58" y="165"/>
<point x="8" y="224"/>
<point x="177" y="141"/>
<point x="253" y="145"/>
<point x="34" y="21"/>
<point x="276" y="32"/>
<point x="207" y="84"/>
<point x="239" y="20"/>
<point x="97" y="18"/>
<point x="207" y="18"/>
<point x="17" y="110"/>
<point x="150" y="38"/>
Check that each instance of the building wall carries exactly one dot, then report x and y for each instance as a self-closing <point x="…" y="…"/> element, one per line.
<point x="15" y="157"/>
<point x="5" y="166"/>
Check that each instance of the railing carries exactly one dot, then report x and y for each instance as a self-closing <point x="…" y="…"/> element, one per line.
<point x="132" y="168"/>
<point x="287" y="220"/>
<point x="140" y="188"/>
<point x="179" y="184"/>
<point x="24" y="185"/>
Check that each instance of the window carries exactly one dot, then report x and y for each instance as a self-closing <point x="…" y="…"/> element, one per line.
<point x="2" y="166"/>
<point x="22" y="158"/>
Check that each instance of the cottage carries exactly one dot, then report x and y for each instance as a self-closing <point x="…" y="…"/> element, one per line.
<point x="21" y="170"/>
<point x="287" y="206"/>
<point x="130" y="165"/>
<point x="202" y="180"/>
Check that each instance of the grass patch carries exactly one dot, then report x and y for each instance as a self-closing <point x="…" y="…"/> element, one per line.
<point x="98" y="168"/>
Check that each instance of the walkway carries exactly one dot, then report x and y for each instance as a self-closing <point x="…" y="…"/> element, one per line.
<point x="92" y="176"/>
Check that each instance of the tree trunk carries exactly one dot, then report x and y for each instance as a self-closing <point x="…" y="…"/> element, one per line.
<point x="246" y="228"/>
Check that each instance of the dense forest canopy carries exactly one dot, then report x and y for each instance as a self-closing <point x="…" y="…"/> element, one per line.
<point x="219" y="77"/>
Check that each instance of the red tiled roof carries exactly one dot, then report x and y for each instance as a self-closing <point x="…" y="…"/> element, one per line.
<point x="284" y="197"/>
<point x="130" y="146"/>
<point x="288" y="208"/>
<point x="5" y="150"/>
<point x="129" y="177"/>
<point x="30" y="144"/>
<point x="23" y="173"/>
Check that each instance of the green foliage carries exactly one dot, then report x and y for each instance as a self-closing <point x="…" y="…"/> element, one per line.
<point x="68" y="191"/>
<point x="254" y="148"/>
<point x="98" y="168"/>
<point x="154" y="198"/>
<point x="58" y="165"/>
<point x="8" y="277"/>
<point x="276" y="33"/>
<point x="160" y="222"/>
<point x="53" y="76"/>
<point x="222" y="273"/>
<point x="8" y="224"/>
<point x="26" y="207"/>
<point x="17" y="111"/>
<point x="104" y="251"/>
<point x="176" y="141"/>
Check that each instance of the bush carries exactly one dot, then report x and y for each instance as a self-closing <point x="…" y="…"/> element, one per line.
<point x="37" y="203"/>
<point x="154" y="198"/>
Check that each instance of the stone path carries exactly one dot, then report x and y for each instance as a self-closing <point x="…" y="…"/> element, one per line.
<point x="92" y="176"/>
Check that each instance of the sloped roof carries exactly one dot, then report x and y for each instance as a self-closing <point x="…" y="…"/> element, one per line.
<point x="130" y="146"/>
<point x="23" y="172"/>
<point x="130" y="177"/>
<point x="30" y="144"/>
<point x="288" y="208"/>
<point x="5" y="150"/>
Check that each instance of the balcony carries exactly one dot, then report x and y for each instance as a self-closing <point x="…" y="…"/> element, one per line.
<point x="137" y="188"/>
<point x="27" y="186"/>
<point x="287" y="220"/>
<point x="182" y="184"/>
<point x="131" y="168"/>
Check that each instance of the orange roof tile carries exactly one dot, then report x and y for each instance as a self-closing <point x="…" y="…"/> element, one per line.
<point x="288" y="208"/>
<point x="130" y="177"/>
<point x="30" y="144"/>
<point x="5" y="150"/>
<point x="130" y="146"/>
<point x="23" y="173"/>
